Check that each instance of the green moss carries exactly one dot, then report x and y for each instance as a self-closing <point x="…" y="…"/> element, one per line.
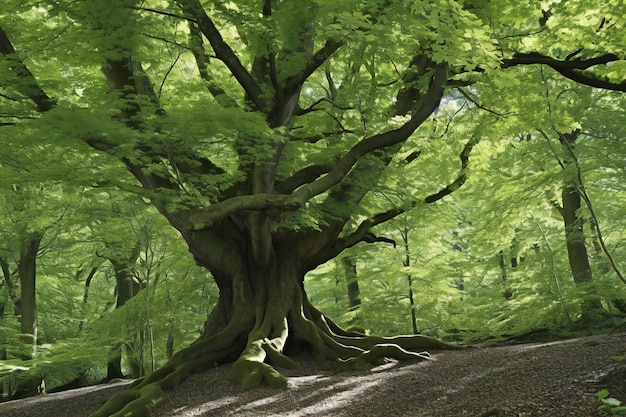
<point x="251" y="374"/>
<point x="116" y="403"/>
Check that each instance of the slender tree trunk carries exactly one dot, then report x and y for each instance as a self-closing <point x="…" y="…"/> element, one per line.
<point x="352" y="282"/>
<point x="127" y="286"/>
<point x="27" y="269"/>
<point x="88" y="280"/>
<point x="404" y="232"/>
<point x="577" y="254"/>
<point x="412" y="304"/>
<point x="7" y="280"/>
<point x="574" y="234"/>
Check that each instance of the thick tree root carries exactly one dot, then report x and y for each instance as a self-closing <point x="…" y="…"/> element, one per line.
<point x="250" y="369"/>
<point x="256" y="360"/>
<point x="145" y="394"/>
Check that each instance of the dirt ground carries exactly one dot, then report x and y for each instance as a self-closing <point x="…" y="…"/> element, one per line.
<point x="555" y="379"/>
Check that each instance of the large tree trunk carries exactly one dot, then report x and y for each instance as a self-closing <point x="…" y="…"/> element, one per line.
<point x="259" y="268"/>
<point x="262" y="308"/>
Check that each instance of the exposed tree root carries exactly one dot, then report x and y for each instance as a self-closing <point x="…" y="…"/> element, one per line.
<point x="257" y="359"/>
<point x="145" y="394"/>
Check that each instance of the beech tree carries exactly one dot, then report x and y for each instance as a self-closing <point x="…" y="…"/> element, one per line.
<point x="258" y="127"/>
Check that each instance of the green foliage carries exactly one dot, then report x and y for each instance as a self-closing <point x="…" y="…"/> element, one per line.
<point x="56" y="364"/>
<point x="613" y="405"/>
<point x="516" y="220"/>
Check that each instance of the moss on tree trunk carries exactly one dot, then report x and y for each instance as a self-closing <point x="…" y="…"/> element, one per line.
<point x="261" y="309"/>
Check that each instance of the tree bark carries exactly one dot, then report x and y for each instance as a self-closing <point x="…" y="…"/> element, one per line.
<point x="577" y="254"/>
<point x="127" y="286"/>
<point x="262" y="308"/>
<point x="574" y="234"/>
<point x="27" y="270"/>
<point x="404" y="232"/>
<point x="352" y="282"/>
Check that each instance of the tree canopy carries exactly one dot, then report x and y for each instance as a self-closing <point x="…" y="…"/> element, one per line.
<point x="276" y="135"/>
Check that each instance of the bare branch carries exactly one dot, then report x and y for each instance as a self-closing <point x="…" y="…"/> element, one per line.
<point x="162" y="12"/>
<point x="473" y="101"/>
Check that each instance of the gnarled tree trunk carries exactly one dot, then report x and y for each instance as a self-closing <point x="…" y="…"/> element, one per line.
<point x="262" y="308"/>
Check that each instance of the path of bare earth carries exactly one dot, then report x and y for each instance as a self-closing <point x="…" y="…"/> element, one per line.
<point x="555" y="379"/>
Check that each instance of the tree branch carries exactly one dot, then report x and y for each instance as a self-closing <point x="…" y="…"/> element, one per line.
<point x="318" y="58"/>
<point x="304" y="176"/>
<point x="223" y="51"/>
<point x="161" y="12"/>
<point x="215" y="212"/>
<point x="363" y="230"/>
<point x="26" y="82"/>
<point x="460" y="180"/>
<point x="477" y="104"/>
<point x="363" y="233"/>
<point x="578" y="63"/>
<point x="202" y="62"/>
<point x="571" y="68"/>
<point x="379" y="141"/>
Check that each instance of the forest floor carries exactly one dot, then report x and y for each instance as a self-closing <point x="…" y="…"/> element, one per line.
<point x="556" y="379"/>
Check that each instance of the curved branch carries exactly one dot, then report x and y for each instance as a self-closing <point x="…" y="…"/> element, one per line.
<point x="460" y="180"/>
<point x="379" y="141"/>
<point x="304" y="176"/>
<point x="372" y="238"/>
<point x="215" y="212"/>
<point x="318" y="58"/>
<point x="591" y="80"/>
<point x="571" y="68"/>
<point x="363" y="233"/>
